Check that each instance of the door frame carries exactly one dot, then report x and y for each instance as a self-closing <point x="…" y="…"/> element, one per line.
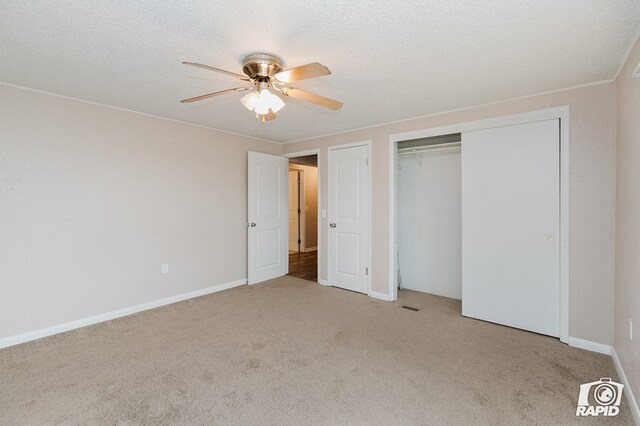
<point x="562" y="113"/>
<point x="368" y="144"/>
<point x="302" y="216"/>
<point x="301" y="204"/>
<point x="315" y="152"/>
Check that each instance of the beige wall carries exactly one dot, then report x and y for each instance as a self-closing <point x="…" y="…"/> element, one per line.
<point x="94" y="199"/>
<point x="592" y="180"/>
<point x="627" y="288"/>
<point x="311" y="201"/>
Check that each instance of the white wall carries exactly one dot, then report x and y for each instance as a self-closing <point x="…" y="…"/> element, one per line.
<point x="430" y="223"/>
<point x="94" y="199"/>
<point x="592" y="179"/>
<point x="627" y="288"/>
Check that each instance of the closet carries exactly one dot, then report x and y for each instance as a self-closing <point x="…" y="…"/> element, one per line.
<point x="478" y="219"/>
<point x="429" y="215"/>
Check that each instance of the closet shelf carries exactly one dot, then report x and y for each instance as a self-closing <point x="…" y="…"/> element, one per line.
<point x="418" y="151"/>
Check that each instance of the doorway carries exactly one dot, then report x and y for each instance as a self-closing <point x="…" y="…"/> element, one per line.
<point x="303" y="217"/>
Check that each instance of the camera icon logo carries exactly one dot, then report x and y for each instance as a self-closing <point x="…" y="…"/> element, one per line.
<point x="601" y="398"/>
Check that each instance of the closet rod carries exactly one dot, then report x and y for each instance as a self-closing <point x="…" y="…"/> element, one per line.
<point x="429" y="148"/>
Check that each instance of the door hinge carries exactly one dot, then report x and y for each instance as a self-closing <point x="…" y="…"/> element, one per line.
<point x="366" y="161"/>
<point x="299" y="241"/>
<point x="366" y="271"/>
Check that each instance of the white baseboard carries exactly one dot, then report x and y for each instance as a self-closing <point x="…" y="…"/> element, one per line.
<point x="380" y="296"/>
<point x="589" y="345"/>
<point x="633" y="402"/>
<point x="373" y="294"/>
<point x="71" y="325"/>
<point x="308" y="249"/>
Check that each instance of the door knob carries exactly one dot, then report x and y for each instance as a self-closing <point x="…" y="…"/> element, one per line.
<point x="332" y="225"/>
<point x="252" y="224"/>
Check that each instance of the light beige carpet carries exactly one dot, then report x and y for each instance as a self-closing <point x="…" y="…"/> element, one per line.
<point x="293" y="352"/>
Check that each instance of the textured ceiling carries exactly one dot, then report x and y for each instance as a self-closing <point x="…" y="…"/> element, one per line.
<point x="391" y="60"/>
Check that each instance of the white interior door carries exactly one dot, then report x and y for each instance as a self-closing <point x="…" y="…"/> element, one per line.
<point x="293" y="210"/>
<point x="510" y="226"/>
<point x="267" y="217"/>
<point x="349" y="218"/>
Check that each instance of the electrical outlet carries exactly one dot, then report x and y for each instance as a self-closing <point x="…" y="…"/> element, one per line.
<point x="165" y="268"/>
<point x="630" y="329"/>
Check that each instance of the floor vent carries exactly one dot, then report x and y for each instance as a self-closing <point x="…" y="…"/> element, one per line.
<point x="411" y="308"/>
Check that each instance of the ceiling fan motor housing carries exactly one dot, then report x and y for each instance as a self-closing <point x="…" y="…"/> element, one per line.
<point x="261" y="66"/>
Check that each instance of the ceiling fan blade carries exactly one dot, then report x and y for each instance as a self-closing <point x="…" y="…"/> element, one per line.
<point x="312" y="97"/>
<point x="211" y="95"/>
<point x="210" y="68"/>
<point x="303" y="72"/>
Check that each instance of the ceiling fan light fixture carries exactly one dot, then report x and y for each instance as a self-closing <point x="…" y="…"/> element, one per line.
<point x="261" y="102"/>
<point x="249" y="100"/>
<point x="261" y="108"/>
<point x="275" y="103"/>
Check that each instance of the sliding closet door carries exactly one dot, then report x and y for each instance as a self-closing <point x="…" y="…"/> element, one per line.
<point x="510" y="226"/>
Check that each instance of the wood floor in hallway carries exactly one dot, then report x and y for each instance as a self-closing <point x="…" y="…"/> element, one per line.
<point x="304" y="265"/>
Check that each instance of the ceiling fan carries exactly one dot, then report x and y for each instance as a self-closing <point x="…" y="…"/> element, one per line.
<point x="264" y="72"/>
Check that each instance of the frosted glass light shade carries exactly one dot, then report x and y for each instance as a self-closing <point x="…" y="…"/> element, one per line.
<point x="276" y="102"/>
<point x="262" y="104"/>
<point x="249" y="100"/>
